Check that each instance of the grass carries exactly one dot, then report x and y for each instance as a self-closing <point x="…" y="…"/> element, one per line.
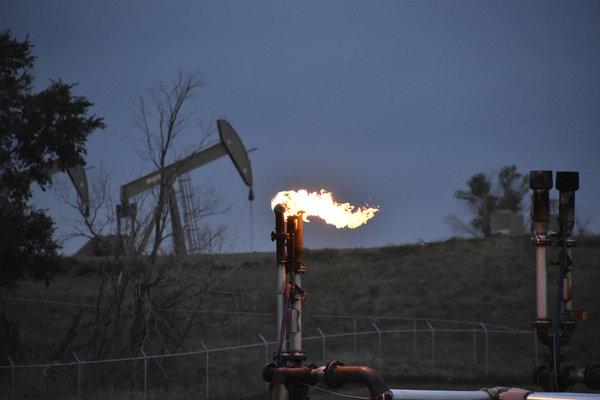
<point x="490" y="281"/>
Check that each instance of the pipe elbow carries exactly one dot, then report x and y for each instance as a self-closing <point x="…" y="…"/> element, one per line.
<point x="336" y="374"/>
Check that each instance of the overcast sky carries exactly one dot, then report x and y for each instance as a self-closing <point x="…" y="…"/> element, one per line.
<point x="391" y="103"/>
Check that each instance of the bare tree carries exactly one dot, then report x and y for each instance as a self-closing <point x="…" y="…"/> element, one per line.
<point x="152" y="301"/>
<point x="162" y="117"/>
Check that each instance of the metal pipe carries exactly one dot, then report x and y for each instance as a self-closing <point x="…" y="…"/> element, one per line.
<point x="541" y="282"/>
<point x="406" y="394"/>
<point x="297" y="301"/>
<point x="335" y="374"/>
<point x="279" y="237"/>
<point x="567" y="183"/>
<point x="541" y="183"/>
<point x="563" y="396"/>
<point x="297" y="305"/>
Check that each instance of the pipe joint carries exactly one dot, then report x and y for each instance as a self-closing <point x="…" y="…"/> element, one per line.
<point x="592" y="376"/>
<point x="336" y="375"/>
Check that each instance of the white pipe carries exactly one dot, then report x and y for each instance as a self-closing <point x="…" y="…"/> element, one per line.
<point x="542" y="298"/>
<point x="406" y="394"/>
<point x="563" y="396"/>
<point x="297" y="337"/>
<point x="281" y="306"/>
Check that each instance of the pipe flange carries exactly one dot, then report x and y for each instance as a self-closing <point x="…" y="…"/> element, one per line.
<point x="541" y="240"/>
<point x="268" y="371"/>
<point x="592" y="376"/>
<point x="330" y="374"/>
<point x="542" y="323"/>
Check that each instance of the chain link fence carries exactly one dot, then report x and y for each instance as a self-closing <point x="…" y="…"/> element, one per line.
<point x="395" y="347"/>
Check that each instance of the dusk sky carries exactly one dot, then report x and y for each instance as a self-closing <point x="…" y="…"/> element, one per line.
<point x="391" y="103"/>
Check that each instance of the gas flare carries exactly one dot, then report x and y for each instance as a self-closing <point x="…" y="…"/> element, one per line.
<point x="323" y="206"/>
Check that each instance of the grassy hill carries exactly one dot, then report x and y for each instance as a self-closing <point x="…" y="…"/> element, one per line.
<point x="491" y="281"/>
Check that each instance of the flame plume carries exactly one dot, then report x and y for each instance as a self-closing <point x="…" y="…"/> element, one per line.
<point x="323" y="206"/>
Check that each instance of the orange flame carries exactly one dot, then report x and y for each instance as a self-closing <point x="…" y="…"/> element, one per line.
<point x="323" y="206"/>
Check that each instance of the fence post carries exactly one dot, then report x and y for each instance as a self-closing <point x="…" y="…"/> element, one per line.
<point x="486" y="349"/>
<point x="266" y="348"/>
<point x="474" y="346"/>
<point x="355" y="336"/>
<point x="145" y="373"/>
<point x="379" y="337"/>
<point x="415" y="331"/>
<point x="237" y="315"/>
<point x="79" y="365"/>
<point x="323" y="336"/>
<point x="207" y="366"/>
<point x="432" y="348"/>
<point x="12" y="385"/>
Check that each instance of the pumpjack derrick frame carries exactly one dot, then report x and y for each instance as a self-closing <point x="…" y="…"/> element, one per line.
<point x="230" y="144"/>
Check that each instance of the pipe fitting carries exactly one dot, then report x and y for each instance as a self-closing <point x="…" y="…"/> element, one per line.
<point x="592" y="376"/>
<point x="336" y="374"/>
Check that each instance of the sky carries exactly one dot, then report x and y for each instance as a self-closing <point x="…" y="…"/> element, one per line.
<point x="391" y="103"/>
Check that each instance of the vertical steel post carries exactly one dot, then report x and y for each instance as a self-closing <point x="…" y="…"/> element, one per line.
<point x="486" y="349"/>
<point x="79" y="378"/>
<point x="207" y="370"/>
<point x="266" y="348"/>
<point x="237" y="317"/>
<point x="323" y="336"/>
<point x="474" y="346"/>
<point x="145" y="374"/>
<point x="432" y="348"/>
<point x="12" y="386"/>
<point x="379" y="341"/>
<point x="415" y="342"/>
<point x="354" y="336"/>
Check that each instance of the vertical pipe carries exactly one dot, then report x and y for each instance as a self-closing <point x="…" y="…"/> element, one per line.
<point x="281" y="306"/>
<point x="567" y="183"/>
<point x="541" y="276"/>
<point x="297" y="304"/>
<point x="541" y="183"/>
<point x="295" y="249"/>
<point x="279" y="237"/>
<point x="535" y="349"/>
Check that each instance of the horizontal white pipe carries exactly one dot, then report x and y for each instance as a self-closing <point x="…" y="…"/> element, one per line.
<point x="407" y="394"/>
<point x="563" y="396"/>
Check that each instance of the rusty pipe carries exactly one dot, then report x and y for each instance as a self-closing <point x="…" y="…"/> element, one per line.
<point x="335" y="375"/>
